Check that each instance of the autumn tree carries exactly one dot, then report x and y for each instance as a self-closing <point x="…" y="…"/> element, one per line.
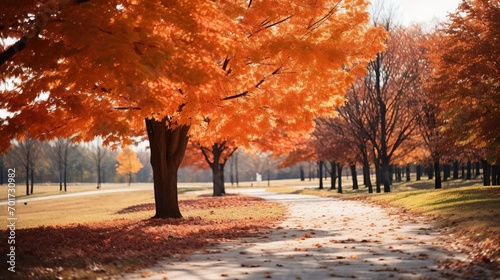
<point x="340" y="143"/>
<point x="128" y="163"/>
<point x="389" y="89"/>
<point x="100" y="68"/>
<point x="217" y="157"/>
<point x="467" y="70"/>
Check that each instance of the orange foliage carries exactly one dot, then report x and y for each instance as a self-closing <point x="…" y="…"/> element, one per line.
<point x="128" y="163"/>
<point x="100" y="69"/>
<point x="466" y="76"/>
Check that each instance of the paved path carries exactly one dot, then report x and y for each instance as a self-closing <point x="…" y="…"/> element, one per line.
<point x="322" y="238"/>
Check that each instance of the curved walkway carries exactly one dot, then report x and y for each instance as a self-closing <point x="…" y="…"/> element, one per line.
<point x="323" y="238"/>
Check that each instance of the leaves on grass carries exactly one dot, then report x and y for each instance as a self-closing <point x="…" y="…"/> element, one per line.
<point x="127" y="245"/>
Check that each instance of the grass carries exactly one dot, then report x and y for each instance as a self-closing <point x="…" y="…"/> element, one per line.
<point x="41" y="190"/>
<point x="468" y="212"/>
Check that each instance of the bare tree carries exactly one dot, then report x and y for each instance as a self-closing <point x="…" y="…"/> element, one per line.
<point x="27" y="152"/>
<point x="99" y="152"/>
<point x="60" y="151"/>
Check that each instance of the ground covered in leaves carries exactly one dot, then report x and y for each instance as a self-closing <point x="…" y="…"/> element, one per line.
<point x="101" y="249"/>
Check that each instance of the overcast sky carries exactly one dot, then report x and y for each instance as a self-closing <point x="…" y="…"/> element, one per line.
<point x="424" y="11"/>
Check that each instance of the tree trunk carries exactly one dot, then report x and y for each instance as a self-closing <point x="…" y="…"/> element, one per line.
<point x="60" y="177"/>
<point x="377" y="178"/>
<point x="469" y="170"/>
<point x="386" y="176"/>
<point x="310" y="172"/>
<point x="430" y="172"/>
<point x="455" y="169"/>
<point x="223" y="179"/>
<point x="446" y="172"/>
<point x="486" y="172"/>
<point x="366" y="176"/>
<point x="168" y="145"/>
<point x="437" y="173"/>
<point x="32" y="178"/>
<point x="495" y="174"/>
<point x="419" y="172"/>
<point x="354" y="177"/>
<point x="320" y="175"/>
<point x="99" y="176"/>
<point x="339" y="171"/>
<point x="302" y="175"/>
<point x="333" y="175"/>
<point x="408" y="177"/>
<point x="217" y="179"/>
<point x="27" y="179"/>
<point x="399" y="176"/>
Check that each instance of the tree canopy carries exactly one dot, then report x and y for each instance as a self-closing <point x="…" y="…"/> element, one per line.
<point x="100" y="67"/>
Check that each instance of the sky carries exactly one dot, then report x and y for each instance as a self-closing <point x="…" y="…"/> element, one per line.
<point x="424" y="11"/>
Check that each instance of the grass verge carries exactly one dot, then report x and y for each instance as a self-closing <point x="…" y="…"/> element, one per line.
<point x="97" y="237"/>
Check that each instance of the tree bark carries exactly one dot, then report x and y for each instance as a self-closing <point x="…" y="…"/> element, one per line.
<point x="217" y="179"/>
<point x="320" y="163"/>
<point x="419" y="172"/>
<point x="168" y="145"/>
<point x="354" y="177"/>
<point x="366" y="176"/>
<point x="399" y="173"/>
<point x="333" y="175"/>
<point x="486" y="172"/>
<point x="455" y="169"/>
<point x="446" y="171"/>
<point x="32" y="178"/>
<point x="339" y="171"/>
<point x="437" y="173"/>
<point x="408" y="177"/>
<point x="377" y="178"/>
<point x="27" y="166"/>
<point x="469" y="170"/>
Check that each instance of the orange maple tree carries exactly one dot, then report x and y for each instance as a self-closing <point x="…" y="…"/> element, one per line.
<point x="467" y="60"/>
<point x="128" y="163"/>
<point x="103" y="68"/>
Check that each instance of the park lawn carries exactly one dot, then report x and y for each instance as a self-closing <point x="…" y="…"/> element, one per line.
<point x="103" y="235"/>
<point x="43" y="189"/>
<point x="469" y="215"/>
